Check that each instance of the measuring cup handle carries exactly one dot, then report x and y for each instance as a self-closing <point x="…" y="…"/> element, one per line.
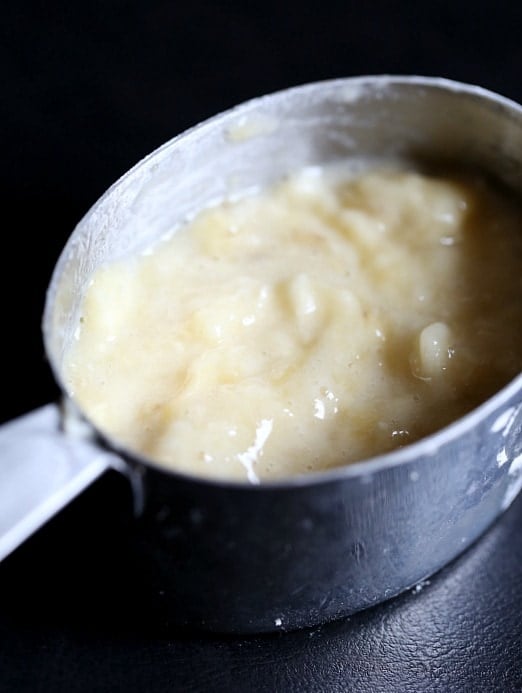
<point x="41" y="469"/>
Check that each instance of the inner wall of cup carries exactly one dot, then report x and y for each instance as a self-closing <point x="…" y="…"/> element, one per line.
<point x="259" y="142"/>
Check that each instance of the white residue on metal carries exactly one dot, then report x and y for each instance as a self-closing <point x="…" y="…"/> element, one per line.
<point x="250" y="457"/>
<point x="502" y="457"/>
<point x="249" y="126"/>
<point x="420" y="586"/>
<point x="353" y="92"/>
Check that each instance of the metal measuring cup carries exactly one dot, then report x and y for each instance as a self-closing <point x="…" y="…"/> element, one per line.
<point x="233" y="557"/>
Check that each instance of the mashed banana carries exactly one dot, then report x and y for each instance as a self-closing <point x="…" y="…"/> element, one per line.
<point x="331" y="318"/>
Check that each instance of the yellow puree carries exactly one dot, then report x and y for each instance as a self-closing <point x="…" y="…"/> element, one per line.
<point x="320" y="322"/>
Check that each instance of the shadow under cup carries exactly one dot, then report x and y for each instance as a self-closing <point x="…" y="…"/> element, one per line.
<point x="232" y="557"/>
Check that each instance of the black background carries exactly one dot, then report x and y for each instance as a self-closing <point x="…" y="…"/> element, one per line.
<point x="86" y="91"/>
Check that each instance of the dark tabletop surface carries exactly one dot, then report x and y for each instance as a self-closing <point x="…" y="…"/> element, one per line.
<point x="87" y="90"/>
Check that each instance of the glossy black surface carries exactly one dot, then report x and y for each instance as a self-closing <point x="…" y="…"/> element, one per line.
<point x="87" y="90"/>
